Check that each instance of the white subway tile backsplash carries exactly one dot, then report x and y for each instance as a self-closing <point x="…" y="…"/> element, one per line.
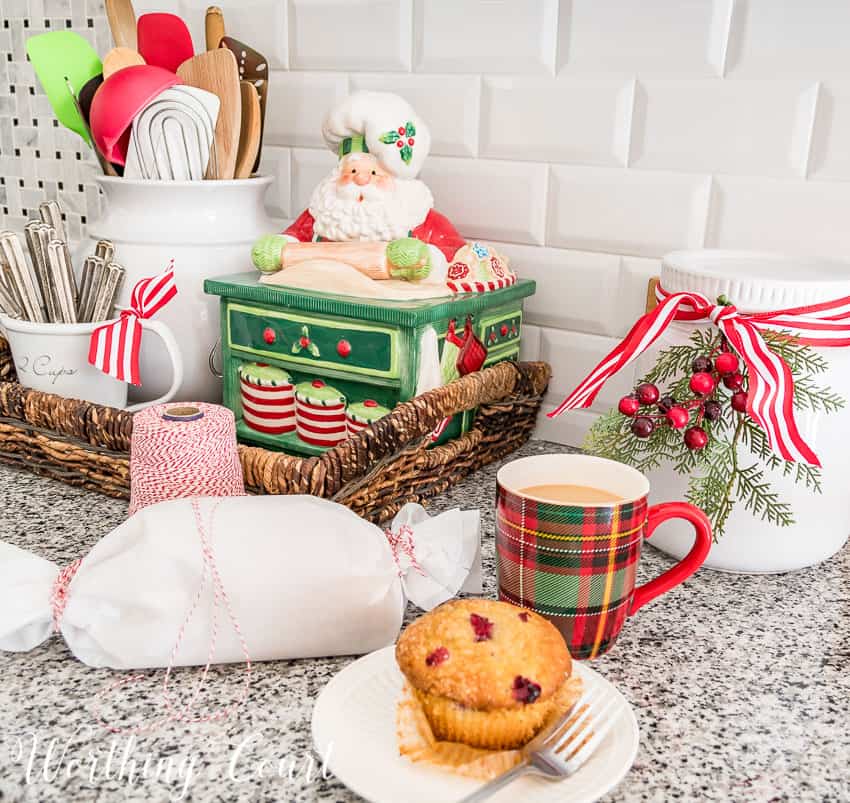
<point x="773" y="38"/>
<point x="573" y="355"/>
<point x="577" y="289"/>
<point x="772" y="215"/>
<point x="448" y="103"/>
<point x="529" y="348"/>
<point x="635" y="274"/>
<point x="490" y="198"/>
<point x="489" y="36"/>
<point x="345" y="35"/>
<point x="569" y="428"/>
<point x="261" y="24"/>
<point x="562" y="120"/>
<point x="645" y="213"/>
<point x="830" y="154"/>
<point x="307" y="168"/>
<point x="651" y="37"/>
<point x="760" y="127"/>
<point x="298" y="103"/>
<point x="275" y="162"/>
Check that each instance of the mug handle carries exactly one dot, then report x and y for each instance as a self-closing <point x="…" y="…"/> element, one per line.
<point x="687" y="565"/>
<point x="164" y="334"/>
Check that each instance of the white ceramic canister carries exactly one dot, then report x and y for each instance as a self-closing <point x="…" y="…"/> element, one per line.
<point x="759" y="282"/>
<point x="207" y="228"/>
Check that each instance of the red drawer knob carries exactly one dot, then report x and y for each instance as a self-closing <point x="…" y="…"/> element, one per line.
<point x="268" y="335"/>
<point x="504" y="330"/>
<point x="343" y="348"/>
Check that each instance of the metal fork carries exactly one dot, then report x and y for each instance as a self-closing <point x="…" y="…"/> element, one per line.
<point x="559" y="752"/>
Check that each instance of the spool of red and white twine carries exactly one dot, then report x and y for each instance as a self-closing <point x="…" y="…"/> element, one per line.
<point x="183" y="450"/>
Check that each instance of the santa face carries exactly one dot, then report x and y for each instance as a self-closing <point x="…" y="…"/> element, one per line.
<point x="361" y="200"/>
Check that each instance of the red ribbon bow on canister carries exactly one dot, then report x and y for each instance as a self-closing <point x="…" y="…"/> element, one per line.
<point x="114" y="347"/>
<point x="770" y="400"/>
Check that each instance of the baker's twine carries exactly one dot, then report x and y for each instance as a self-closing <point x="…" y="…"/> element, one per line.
<point x="403" y="546"/>
<point x="59" y="593"/>
<point x="179" y="459"/>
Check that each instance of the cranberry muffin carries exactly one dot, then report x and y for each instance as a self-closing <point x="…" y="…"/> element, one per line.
<point x="486" y="673"/>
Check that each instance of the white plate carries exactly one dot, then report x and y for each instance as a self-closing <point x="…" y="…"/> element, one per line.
<point x="354" y="727"/>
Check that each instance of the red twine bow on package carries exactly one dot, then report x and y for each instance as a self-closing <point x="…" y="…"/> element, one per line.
<point x="770" y="401"/>
<point x="114" y="347"/>
<point x="404" y="549"/>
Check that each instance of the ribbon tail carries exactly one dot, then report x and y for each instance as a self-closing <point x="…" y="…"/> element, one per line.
<point x="770" y="395"/>
<point x="641" y="336"/>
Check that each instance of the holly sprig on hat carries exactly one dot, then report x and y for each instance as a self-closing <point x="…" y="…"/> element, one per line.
<point x="403" y="137"/>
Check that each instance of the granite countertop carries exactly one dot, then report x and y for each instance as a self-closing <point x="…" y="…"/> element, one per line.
<point x="740" y="685"/>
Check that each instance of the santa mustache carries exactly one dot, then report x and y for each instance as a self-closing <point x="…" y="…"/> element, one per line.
<point x="366" y="193"/>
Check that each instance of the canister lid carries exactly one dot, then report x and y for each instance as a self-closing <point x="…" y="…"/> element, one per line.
<point x="318" y="393"/>
<point x="756" y="281"/>
<point x="367" y="411"/>
<point x="260" y="373"/>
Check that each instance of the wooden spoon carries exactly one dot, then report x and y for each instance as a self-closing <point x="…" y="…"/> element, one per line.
<point x="249" y="133"/>
<point x="122" y="23"/>
<point x="118" y="58"/>
<point x="214" y="27"/>
<point x="216" y="71"/>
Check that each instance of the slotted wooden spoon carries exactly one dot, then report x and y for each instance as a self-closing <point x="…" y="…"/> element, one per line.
<point x="216" y="72"/>
<point x="253" y="67"/>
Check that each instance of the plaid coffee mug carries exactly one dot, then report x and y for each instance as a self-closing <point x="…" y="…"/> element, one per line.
<point x="575" y="562"/>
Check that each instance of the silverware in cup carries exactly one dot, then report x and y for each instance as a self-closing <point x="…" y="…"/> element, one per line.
<point x="108" y="292"/>
<point x="52" y="214"/>
<point x="59" y="264"/>
<point x="21" y="277"/>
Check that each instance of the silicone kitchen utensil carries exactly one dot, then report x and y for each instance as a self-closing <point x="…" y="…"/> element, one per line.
<point x="216" y="72"/>
<point x="107" y="167"/>
<point x="121" y="97"/>
<point x="86" y="95"/>
<point x="172" y="136"/>
<point x="253" y="67"/>
<point x="214" y="24"/>
<point x="60" y="58"/>
<point x="122" y="23"/>
<point x="164" y="40"/>
<point x="118" y="58"/>
<point x="249" y="132"/>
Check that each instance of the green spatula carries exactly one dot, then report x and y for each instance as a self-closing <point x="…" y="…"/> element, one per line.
<point x="60" y="58"/>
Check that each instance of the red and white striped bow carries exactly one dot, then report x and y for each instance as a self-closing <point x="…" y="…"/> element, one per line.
<point x="770" y="398"/>
<point x="114" y="347"/>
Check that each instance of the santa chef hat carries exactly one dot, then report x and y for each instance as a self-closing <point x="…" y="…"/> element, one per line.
<point x="382" y="124"/>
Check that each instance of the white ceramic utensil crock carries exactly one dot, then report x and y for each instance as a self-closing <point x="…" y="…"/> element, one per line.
<point x="758" y="282"/>
<point x="54" y="358"/>
<point x="207" y="228"/>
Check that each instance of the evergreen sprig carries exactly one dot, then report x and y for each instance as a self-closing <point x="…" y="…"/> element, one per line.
<point x="718" y="478"/>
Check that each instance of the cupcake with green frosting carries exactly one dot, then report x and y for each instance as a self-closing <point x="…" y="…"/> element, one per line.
<point x="319" y="414"/>
<point x="359" y="415"/>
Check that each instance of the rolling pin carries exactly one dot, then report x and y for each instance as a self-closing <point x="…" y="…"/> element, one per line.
<point x="406" y="258"/>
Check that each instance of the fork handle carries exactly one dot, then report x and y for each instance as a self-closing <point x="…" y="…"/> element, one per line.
<point x="489" y="789"/>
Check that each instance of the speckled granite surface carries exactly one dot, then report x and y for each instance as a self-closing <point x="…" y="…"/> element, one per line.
<point x="741" y="686"/>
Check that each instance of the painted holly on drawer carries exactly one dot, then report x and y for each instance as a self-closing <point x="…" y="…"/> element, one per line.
<point x="304" y="343"/>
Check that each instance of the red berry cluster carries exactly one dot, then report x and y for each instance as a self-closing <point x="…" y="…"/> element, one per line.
<point x="705" y="378"/>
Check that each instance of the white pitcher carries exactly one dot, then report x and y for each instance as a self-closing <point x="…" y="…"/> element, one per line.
<point x="207" y="228"/>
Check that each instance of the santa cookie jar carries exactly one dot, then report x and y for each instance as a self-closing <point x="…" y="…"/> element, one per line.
<point x="371" y="228"/>
<point x="370" y="297"/>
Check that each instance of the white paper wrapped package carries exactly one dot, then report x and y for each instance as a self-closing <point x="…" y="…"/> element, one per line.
<point x="301" y="577"/>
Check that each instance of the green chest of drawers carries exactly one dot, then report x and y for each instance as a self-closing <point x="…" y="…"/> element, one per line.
<point x="365" y="349"/>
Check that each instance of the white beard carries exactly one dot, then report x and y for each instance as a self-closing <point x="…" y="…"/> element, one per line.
<point x="382" y="214"/>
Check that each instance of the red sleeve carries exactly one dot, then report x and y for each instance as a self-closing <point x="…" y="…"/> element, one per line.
<point x="302" y="228"/>
<point x="437" y="230"/>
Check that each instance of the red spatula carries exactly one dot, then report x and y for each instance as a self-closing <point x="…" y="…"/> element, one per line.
<point x="164" y="40"/>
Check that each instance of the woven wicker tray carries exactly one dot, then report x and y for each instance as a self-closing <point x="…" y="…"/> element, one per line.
<point x="373" y="473"/>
